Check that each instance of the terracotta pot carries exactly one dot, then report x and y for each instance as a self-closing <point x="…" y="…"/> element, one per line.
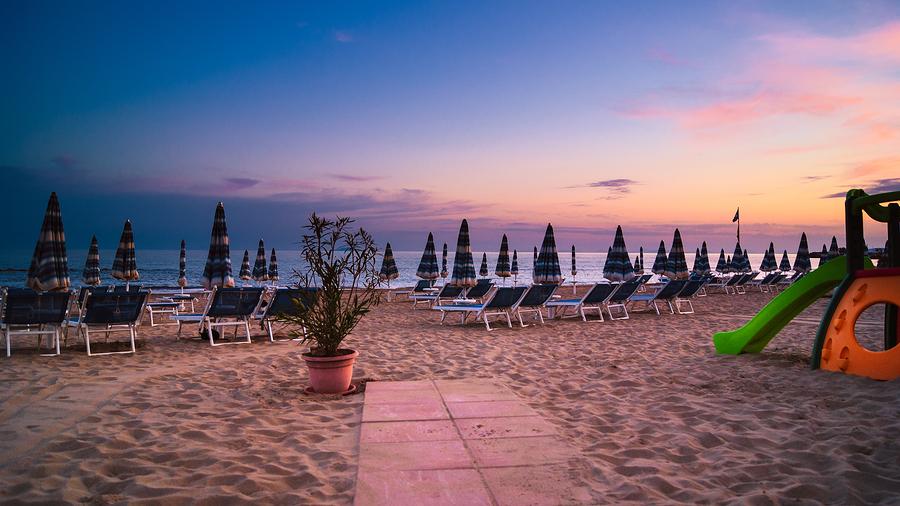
<point x="331" y="375"/>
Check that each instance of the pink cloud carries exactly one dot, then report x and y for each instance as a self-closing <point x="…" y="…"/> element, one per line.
<point x="660" y="55"/>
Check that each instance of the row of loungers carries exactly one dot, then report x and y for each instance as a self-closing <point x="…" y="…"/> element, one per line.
<point x="518" y="302"/>
<point x="25" y="312"/>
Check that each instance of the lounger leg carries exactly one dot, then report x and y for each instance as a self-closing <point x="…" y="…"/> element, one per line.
<point x="246" y="326"/>
<point x="6" y="332"/>
<point x="209" y="331"/>
<point x="87" y="340"/>
<point x="269" y="328"/>
<point x="540" y="316"/>
<point x="508" y="319"/>
<point x="486" y="322"/>
<point x="131" y="333"/>
<point x="56" y="335"/>
<point x="671" y="310"/>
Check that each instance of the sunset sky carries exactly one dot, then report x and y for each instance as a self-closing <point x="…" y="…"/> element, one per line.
<point x="413" y="115"/>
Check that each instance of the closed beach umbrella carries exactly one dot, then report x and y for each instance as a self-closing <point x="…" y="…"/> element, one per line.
<point x="642" y="259"/>
<point x="182" y="265"/>
<point x="659" y="264"/>
<point x="618" y="262"/>
<point x="514" y="267"/>
<point x="737" y="263"/>
<point x="463" y="263"/>
<point x="607" y="270"/>
<point x="696" y="268"/>
<point x="638" y="268"/>
<point x="721" y="264"/>
<point x="444" y="272"/>
<point x="483" y="270"/>
<point x="125" y="264"/>
<point x="574" y="267"/>
<point x="428" y="266"/>
<point x="534" y="264"/>
<point x="785" y="264"/>
<point x="217" y="271"/>
<point x="548" y="270"/>
<point x="746" y="258"/>
<point x="388" y="266"/>
<point x="91" y="274"/>
<point x="704" y="259"/>
<point x="769" y="263"/>
<point x="676" y="264"/>
<point x="729" y="265"/>
<point x="260" y="271"/>
<point x="273" y="267"/>
<point x="49" y="268"/>
<point x="245" y="273"/>
<point x="801" y="261"/>
<point x="503" y="268"/>
<point x="833" y="250"/>
<point x="823" y="256"/>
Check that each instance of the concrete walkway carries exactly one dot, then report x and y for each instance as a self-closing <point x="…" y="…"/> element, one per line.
<point x="465" y="442"/>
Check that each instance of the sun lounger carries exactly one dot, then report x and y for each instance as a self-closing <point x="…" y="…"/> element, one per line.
<point x="480" y="290"/>
<point x="423" y="292"/>
<point x="642" y="281"/>
<point x="619" y="298"/>
<point x="446" y="293"/>
<point x="667" y="294"/>
<point x="110" y="312"/>
<point x="500" y="302"/>
<point x="741" y="286"/>
<point x="287" y="301"/>
<point x="29" y="313"/>
<point x="595" y="297"/>
<point x="226" y="307"/>
<point x="690" y="290"/>
<point x="533" y="302"/>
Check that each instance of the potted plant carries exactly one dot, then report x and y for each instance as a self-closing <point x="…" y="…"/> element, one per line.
<point x="340" y="264"/>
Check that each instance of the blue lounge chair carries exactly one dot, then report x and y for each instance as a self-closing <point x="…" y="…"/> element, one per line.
<point x="620" y="298"/>
<point x="667" y="294"/>
<point x="596" y="297"/>
<point x="30" y="313"/>
<point x="287" y="301"/>
<point x="500" y="302"/>
<point x="534" y="301"/>
<point x="226" y="307"/>
<point x="110" y="312"/>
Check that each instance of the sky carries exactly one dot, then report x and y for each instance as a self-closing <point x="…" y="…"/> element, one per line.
<point x="410" y="116"/>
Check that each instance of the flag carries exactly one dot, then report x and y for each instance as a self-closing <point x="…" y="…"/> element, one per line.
<point x="737" y="215"/>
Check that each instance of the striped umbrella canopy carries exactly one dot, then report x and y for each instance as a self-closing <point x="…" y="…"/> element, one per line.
<point x="785" y="264"/>
<point x="833" y="250"/>
<point x="483" y="270"/>
<point x="696" y="268"/>
<point x="217" y="271"/>
<point x="49" y="269"/>
<point x="607" y="272"/>
<point x="245" y="273"/>
<point x="676" y="264"/>
<point x="721" y="264"/>
<point x="704" y="260"/>
<point x="388" y="266"/>
<point x="503" y="268"/>
<point x="463" y="263"/>
<point x="548" y="270"/>
<point x="729" y="266"/>
<point x="514" y="267"/>
<point x="260" y="271"/>
<point x="801" y="261"/>
<point x="534" y="264"/>
<point x="273" y="266"/>
<point x="737" y="263"/>
<point x="823" y="256"/>
<point x="659" y="264"/>
<point x="428" y="266"/>
<point x="642" y="258"/>
<point x="574" y="268"/>
<point x="746" y="258"/>
<point x="444" y="272"/>
<point x="125" y="264"/>
<point x="91" y="274"/>
<point x="769" y="263"/>
<point x="620" y="268"/>
<point x="182" y="265"/>
<point x="638" y="268"/>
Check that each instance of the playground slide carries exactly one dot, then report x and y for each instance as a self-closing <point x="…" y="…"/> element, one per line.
<point x="756" y="334"/>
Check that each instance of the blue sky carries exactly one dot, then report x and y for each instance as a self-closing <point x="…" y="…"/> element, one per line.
<point x="413" y="115"/>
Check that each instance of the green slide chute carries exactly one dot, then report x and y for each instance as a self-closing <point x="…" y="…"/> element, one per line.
<point x="756" y="334"/>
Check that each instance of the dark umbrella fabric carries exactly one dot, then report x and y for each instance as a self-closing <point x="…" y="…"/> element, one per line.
<point x="91" y="274"/>
<point x="428" y="265"/>
<point x="260" y="270"/>
<point x="659" y="264"/>
<point x="746" y="259"/>
<point x="182" y="265"/>
<point x="833" y="250"/>
<point x="125" y="264"/>
<point x="483" y="270"/>
<point x="444" y="272"/>
<point x="737" y="262"/>
<point x="638" y="268"/>
<point x="217" y="271"/>
<point x="49" y="268"/>
<point x="514" y="266"/>
<point x="619" y="265"/>
<point x="823" y="256"/>
<point x="704" y="260"/>
<point x="721" y="265"/>
<point x="463" y="263"/>
<point x="245" y="273"/>
<point x="534" y="263"/>
<point x="769" y="263"/>
<point x="785" y="264"/>
<point x="676" y="264"/>
<point x="607" y="271"/>
<point x="574" y="267"/>
<point x="503" y="268"/>
<point x="388" y="266"/>
<point x="801" y="261"/>
<point x="548" y="270"/>
<point x="273" y="266"/>
<point x="729" y="265"/>
<point x="696" y="268"/>
<point x="642" y="258"/>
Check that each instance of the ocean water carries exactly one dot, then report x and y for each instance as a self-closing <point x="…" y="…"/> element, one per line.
<point x="160" y="267"/>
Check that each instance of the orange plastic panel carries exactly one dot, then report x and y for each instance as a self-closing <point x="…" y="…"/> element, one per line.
<point x="841" y="352"/>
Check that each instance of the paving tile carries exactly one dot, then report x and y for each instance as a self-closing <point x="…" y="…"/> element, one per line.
<point x="448" y="487"/>
<point x="401" y="396"/>
<point x="399" y="432"/>
<point x="489" y="409"/>
<point x="520" y="451"/>
<point x="473" y="391"/>
<point x="535" y="485"/>
<point x="393" y="386"/>
<point x="417" y="455"/>
<point x="513" y="426"/>
<point x="426" y="410"/>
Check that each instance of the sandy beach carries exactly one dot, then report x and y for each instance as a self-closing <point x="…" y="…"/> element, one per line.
<point x="658" y="417"/>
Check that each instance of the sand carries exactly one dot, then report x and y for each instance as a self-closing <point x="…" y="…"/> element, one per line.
<point x="656" y="414"/>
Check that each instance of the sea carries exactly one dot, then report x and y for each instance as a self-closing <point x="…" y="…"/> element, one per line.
<point x="159" y="268"/>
